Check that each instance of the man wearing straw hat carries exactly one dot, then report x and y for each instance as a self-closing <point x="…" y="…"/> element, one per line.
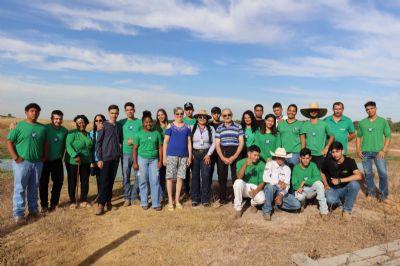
<point x="277" y="179"/>
<point x="315" y="132"/>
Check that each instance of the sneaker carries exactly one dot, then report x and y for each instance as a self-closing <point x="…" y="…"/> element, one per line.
<point x="20" y="220"/>
<point x="145" y="207"/>
<point x="52" y="208"/>
<point x="253" y="209"/>
<point x="44" y="210"/>
<point x="100" y="210"/>
<point x="267" y="216"/>
<point x="136" y="202"/>
<point x="195" y="204"/>
<point x="206" y="205"/>
<point x="158" y="209"/>
<point x="127" y="203"/>
<point x="110" y="207"/>
<point x="85" y="204"/>
<point x="238" y="214"/>
<point x="346" y="216"/>
<point x="33" y="215"/>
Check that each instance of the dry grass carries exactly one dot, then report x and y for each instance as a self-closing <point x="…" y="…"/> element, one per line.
<point x="191" y="236"/>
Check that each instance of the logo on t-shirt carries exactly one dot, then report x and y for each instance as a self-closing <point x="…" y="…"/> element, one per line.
<point x="34" y="135"/>
<point x="345" y="171"/>
<point x="55" y="139"/>
<point x="370" y="129"/>
<point x="343" y="129"/>
<point x="306" y="178"/>
<point x="246" y="136"/>
<point x="295" y="129"/>
<point x="149" y="137"/>
<point x="267" y="141"/>
<point x="314" y="134"/>
<point x="131" y="127"/>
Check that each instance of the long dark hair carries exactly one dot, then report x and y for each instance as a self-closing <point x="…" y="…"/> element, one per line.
<point x="94" y="125"/>
<point x="254" y="125"/>
<point x="273" y="128"/>
<point x="158" y="123"/>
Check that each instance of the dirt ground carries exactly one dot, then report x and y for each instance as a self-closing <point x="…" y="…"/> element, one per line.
<point x="192" y="236"/>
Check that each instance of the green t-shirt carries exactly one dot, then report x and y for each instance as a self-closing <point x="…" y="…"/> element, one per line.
<point x="341" y="129"/>
<point x="372" y="133"/>
<point x="29" y="140"/>
<point x="309" y="175"/>
<point x="78" y="144"/>
<point x="161" y="130"/>
<point x="249" y="136"/>
<point x="267" y="143"/>
<point x="56" y="139"/>
<point x="254" y="173"/>
<point x="189" y="121"/>
<point x="148" y="143"/>
<point x="289" y="135"/>
<point x="316" y="135"/>
<point x="129" y="130"/>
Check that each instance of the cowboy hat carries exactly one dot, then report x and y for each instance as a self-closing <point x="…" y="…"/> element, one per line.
<point x="314" y="106"/>
<point x="281" y="153"/>
<point x="202" y="112"/>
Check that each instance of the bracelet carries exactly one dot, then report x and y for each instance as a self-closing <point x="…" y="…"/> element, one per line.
<point x="340" y="181"/>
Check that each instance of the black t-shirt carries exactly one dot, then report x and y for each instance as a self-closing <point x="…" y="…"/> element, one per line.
<point x="215" y="125"/>
<point x="332" y="169"/>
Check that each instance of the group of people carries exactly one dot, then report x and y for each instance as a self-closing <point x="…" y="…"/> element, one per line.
<point x="277" y="161"/>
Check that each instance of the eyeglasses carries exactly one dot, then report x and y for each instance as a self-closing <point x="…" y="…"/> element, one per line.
<point x="98" y="120"/>
<point x="178" y="113"/>
<point x="202" y="117"/>
<point x="226" y="115"/>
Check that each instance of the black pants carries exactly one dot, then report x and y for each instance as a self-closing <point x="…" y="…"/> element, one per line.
<point x="318" y="160"/>
<point x="223" y="170"/>
<point x="214" y="161"/>
<point x="201" y="185"/>
<point x="107" y="178"/>
<point x="186" y="182"/>
<point x="56" y="171"/>
<point x="84" y="172"/>
<point x="162" y="173"/>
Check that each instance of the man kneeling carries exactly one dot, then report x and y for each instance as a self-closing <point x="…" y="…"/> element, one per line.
<point x="249" y="182"/>
<point x="277" y="179"/>
<point x="307" y="182"/>
<point x="340" y="175"/>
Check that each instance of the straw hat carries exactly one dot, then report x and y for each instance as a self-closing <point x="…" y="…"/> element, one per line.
<point x="202" y="112"/>
<point x="281" y="153"/>
<point x="314" y="106"/>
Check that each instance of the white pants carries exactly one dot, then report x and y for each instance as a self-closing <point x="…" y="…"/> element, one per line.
<point x="317" y="189"/>
<point x="241" y="190"/>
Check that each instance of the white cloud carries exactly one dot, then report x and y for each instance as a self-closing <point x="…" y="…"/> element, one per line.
<point x="53" y="57"/>
<point x="238" y="21"/>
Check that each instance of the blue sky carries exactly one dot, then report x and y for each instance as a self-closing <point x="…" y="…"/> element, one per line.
<point x="81" y="57"/>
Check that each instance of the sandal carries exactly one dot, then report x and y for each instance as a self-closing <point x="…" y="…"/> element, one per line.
<point x="170" y="207"/>
<point x="179" y="206"/>
<point x="72" y="206"/>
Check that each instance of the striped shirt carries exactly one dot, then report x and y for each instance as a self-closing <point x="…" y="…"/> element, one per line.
<point x="229" y="135"/>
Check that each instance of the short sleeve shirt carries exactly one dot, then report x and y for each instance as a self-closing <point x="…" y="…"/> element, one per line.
<point x="316" y="135"/>
<point x="266" y="142"/>
<point x="372" y="133"/>
<point x="56" y="139"/>
<point x="334" y="170"/>
<point x="253" y="173"/>
<point x="289" y="134"/>
<point x="28" y="140"/>
<point x="229" y="135"/>
<point x="249" y="136"/>
<point x="341" y="129"/>
<point x="178" y="142"/>
<point x="129" y="130"/>
<point x="148" y="143"/>
<point x="189" y="121"/>
<point x="309" y="175"/>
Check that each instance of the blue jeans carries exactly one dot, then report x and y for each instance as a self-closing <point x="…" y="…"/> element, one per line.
<point x="149" y="174"/>
<point x="201" y="184"/>
<point x="130" y="192"/>
<point x="369" y="174"/>
<point x="348" y="194"/>
<point x="289" y="202"/>
<point x="291" y="162"/>
<point x="26" y="184"/>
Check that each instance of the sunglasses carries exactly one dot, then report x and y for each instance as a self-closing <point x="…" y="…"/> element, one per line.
<point x="98" y="120"/>
<point x="178" y="113"/>
<point x="226" y="115"/>
<point x="202" y="117"/>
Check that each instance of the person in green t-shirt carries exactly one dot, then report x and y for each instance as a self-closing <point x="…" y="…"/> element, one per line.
<point x="78" y="156"/>
<point x="249" y="182"/>
<point x="161" y="126"/>
<point x="28" y="148"/>
<point x="53" y="166"/>
<point x="267" y="140"/>
<point x="130" y="127"/>
<point x="250" y="128"/>
<point x="373" y="140"/>
<point x="307" y="182"/>
<point x="190" y="121"/>
<point x="315" y="132"/>
<point x="341" y="126"/>
<point x="289" y="135"/>
<point x="147" y="158"/>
